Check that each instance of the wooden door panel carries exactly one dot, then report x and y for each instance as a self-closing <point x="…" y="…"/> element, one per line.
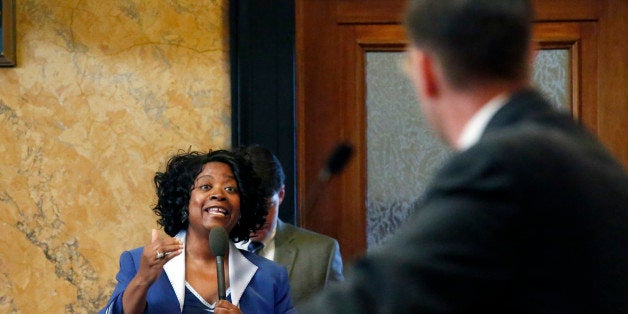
<point x="332" y="37"/>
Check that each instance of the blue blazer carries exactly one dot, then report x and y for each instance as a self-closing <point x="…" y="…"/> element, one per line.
<point x="257" y="285"/>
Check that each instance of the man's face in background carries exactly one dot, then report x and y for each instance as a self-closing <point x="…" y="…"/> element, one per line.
<point x="271" y="219"/>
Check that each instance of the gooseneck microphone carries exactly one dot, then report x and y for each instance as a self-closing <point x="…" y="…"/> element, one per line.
<point x="335" y="163"/>
<point x="218" y="244"/>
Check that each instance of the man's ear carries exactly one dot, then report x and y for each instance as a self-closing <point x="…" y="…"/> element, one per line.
<point x="281" y="195"/>
<point x="429" y="78"/>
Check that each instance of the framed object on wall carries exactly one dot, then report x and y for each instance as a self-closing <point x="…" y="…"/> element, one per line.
<point x="7" y="33"/>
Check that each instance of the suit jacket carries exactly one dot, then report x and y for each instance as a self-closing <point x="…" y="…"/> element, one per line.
<point x="257" y="285"/>
<point x="531" y="219"/>
<point x="312" y="259"/>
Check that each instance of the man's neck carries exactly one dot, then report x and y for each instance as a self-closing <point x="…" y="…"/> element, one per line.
<point x="462" y="105"/>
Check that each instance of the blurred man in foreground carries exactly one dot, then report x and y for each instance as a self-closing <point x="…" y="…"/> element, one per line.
<point x="529" y="216"/>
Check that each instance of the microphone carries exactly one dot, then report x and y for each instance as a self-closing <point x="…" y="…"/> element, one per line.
<point x="335" y="163"/>
<point x="218" y="244"/>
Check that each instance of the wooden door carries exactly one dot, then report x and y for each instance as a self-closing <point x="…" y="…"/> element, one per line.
<point x="333" y="37"/>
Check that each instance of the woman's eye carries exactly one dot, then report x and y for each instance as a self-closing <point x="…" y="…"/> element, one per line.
<point x="230" y="189"/>
<point x="205" y="187"/>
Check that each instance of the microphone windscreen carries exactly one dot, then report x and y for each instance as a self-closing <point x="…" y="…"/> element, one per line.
<point x="339" y="158"/>
<point x="218" y="241"/>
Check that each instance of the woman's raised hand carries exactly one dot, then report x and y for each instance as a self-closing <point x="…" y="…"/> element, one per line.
<point x="155" y="255"/>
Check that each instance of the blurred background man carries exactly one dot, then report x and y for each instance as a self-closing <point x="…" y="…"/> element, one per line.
<point x="312" y="260"/>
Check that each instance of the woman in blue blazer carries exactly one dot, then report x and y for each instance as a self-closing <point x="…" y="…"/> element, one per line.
<point x="196" y="193"/>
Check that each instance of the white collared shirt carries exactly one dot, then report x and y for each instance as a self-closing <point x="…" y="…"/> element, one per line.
<point x="475" y="126"/>
<point x="268" y="251"/>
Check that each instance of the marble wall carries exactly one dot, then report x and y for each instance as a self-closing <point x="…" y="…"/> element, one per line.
<point x="103" y="93"/>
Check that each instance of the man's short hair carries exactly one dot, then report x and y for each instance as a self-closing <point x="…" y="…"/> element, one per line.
<point x="475" y="40"/>
<point x="266" y="166"/>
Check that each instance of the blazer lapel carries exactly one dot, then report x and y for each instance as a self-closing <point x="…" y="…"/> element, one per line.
<point x="521" y="105"/>
<point x="285" y="253"/>
<point x="239" y="279"/>
<point x="175" y="269"/>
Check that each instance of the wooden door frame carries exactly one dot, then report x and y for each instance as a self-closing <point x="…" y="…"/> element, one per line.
<point x="579" y="38"/>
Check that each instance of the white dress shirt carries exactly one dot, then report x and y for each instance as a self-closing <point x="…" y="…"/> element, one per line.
<point x="268" y="251"/>
<point x="475" y="126"/>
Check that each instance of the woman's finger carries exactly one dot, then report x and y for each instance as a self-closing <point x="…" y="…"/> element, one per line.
<point x="224" y="306"/>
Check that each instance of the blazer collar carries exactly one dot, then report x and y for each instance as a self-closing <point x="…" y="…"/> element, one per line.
<point x="241" y="271"/>
<point x="285" y="253"/>
<point x="521" y="106"/>
<point x="175" y="269"/>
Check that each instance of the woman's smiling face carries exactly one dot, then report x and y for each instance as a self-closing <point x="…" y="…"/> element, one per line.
<point x="215" y="198"/>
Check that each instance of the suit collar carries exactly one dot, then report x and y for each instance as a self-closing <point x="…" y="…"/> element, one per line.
<point x="283" y="233"/>
<point x="285" y="253"/>
<point x="240" y="274"/>
<point x="521" y="106"/>
<point x="474" y="128"/>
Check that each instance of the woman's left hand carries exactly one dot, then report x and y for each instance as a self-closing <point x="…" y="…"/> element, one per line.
<point x="224" y="306"/>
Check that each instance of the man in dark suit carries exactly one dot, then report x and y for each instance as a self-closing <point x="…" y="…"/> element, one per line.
<point x="312" y="259"/>
<point x="530" y="215"/>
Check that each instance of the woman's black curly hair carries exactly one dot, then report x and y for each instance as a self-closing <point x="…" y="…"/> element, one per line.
<point x="174" y="188"/>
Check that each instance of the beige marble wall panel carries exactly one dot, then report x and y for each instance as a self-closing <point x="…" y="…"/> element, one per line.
<point x="103" y="93"/>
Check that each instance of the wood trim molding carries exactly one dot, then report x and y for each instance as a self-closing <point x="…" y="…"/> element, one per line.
<point x="369" y="12"/>
<point x="580" y="39"/>
<point x="567" y="10"/>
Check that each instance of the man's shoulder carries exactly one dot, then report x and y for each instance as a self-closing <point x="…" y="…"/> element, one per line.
<point x="262" y="262"/>
<point x="546" y="148"/>
<point x="301" y="233"/>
